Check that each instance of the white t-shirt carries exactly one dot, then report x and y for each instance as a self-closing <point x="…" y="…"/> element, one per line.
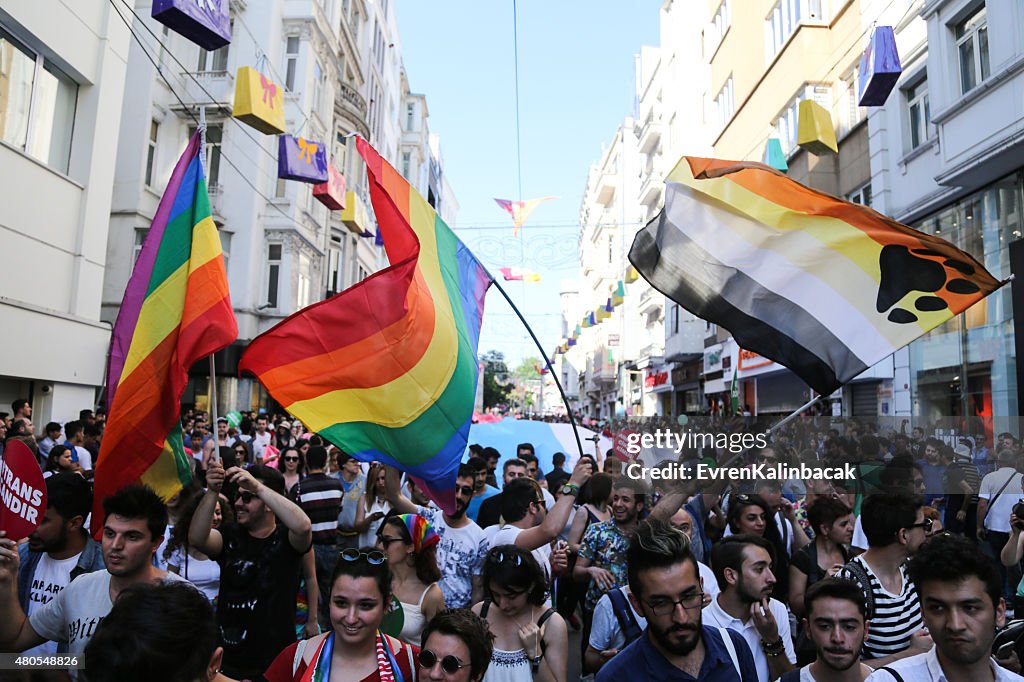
<point x="73" y="615"/>
<point x="50" y="579"/>
<point x="84" y="458"/>
<point x="259" y="443"/>
<point x="203" y="573"/>
<point x="460" y="556"/>
<point x="998" y="518"/>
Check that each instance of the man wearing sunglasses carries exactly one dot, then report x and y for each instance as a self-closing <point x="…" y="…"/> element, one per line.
<point x="896" y="527"/>
<point x="666" y="589"/>
<point x="260" y="557"/>
<point x="463" y="547"/>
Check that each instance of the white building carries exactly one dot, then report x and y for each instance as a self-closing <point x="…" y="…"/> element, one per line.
<point x="947" y="157"/>
<point x="62" y="79"/>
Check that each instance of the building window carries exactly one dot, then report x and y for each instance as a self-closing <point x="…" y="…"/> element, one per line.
<point x="850" y="112"/>
<point x="140" y="239"/>
<point x="674" y="318"/>
<point x="719" y="25"/>
<point x="154" y="131"/>
<point x="304" y="287"/>
<point x="225" y="244"/>
<point x="919" y="114"/>
<point x="725" y="103"/>
<point x="784" y="19"/>
<point x="611" y="249"/>
<point x="37" y="104"/>
<point x="406" y="165"/>
<point x="787" y="123"/>
<point x="318" y="87"/>
<point x="861" y="195"/>
<point x="335" y="265"/>
<point x="291" y="62"/>
<point x="214" y="136"/>
<point x="273" y="273"/>
<point x="281" y="189"/>
<point x="361" y="274"/>
<point x="972" y="48"/>
<point x="216" y="61"/>
<point x="410" y="114"/>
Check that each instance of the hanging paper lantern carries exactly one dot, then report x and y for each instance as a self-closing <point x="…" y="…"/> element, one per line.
<point x="774" y="156"/>
<point x="592" y="319"/>
<point x="259" y="102"/>
<point x="586" y="320"/>
<point x="632" y="275"/>
<point x="619" y="294"/>
<point x="571" y="342"/>
<point x="354" y="213"/>
<point x="331" y="193"/>
<point x="302" y="160"/>
<point x="205" y="22"/>
<point x="815" y="132"/>
<point x="880" y="68"/>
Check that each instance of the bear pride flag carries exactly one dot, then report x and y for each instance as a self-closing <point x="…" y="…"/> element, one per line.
<point x="176" y="311"/>
<point x="822" y="286"/>
<point x="387" y="370"/>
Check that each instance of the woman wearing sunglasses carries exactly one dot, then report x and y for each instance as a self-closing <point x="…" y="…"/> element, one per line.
<point x="531" y="642"/>
<point x="410" y="544"/>
<point x="291" y="466"/>
<point x="457" y="647"/>
<point x="354" y="650"/>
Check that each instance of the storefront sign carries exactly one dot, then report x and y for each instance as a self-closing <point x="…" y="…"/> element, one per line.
<point x="749" y="359"/>
<point x="713" y="359"/>
<point x="656" y="378"/>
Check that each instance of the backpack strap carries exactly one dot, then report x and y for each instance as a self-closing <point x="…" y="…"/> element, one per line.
<point x="895" y="675"/>
<point x="730" y="646"/>
<point x="485" y="608"/>
<point x="627" y="621"/>
<point x="860" y="575"/>
<point x="540" y="625"/>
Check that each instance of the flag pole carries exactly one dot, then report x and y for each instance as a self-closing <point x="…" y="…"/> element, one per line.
<point x="795" y="414"/>
<point x="213" y="369"/>
<point x="547" y="362"/>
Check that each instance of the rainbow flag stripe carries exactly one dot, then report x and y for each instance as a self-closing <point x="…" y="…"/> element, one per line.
<point x="176" y="311"/>
<point x="387" y="370"/>
<point x="820" y="285"/>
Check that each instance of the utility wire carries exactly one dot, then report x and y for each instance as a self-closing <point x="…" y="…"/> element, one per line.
<point x="188" y="111"/>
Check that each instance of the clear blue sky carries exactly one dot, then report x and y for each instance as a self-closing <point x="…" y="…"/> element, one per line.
<point x="576" y="84"/>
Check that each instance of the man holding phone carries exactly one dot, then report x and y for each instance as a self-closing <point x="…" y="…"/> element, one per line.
<point x="962" y="606"/>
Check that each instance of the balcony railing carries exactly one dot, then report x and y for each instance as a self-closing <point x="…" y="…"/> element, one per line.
<point x="352" y="99"/>
<point x="209" y="88"/>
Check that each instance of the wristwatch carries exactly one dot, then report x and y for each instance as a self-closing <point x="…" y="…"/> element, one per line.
<point x="570" y="489"/>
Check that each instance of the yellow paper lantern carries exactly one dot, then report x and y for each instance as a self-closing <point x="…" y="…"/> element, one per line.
<point x="259" y="102"/>
<point x="815" y="132"/>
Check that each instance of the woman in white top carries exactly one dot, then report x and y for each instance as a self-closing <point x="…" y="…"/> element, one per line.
<point x="530" y="640"/>
<point x="189" y="562"/>
<point x="410" y="544"/>
<point x="372" y="507"/>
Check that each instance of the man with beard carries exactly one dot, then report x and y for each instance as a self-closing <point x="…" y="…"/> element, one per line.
<point x="260" y="557"/>
<point x="59" y="550"/>
<point x="133" y="528"/>
<point x="743" y="567"/>
<point x="836" y="624"/>
<point x="962" y="605"/>
<point x="665" y="588"/>
<point x="463" y="547"/>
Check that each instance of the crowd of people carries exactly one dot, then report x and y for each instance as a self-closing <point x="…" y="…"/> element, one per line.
<point x="286" y="559"/>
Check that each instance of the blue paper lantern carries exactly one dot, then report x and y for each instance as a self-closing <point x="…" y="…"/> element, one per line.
<point x="301" y="159"/>
<point x="205" y="22"/>
<point x="879" y="68"/>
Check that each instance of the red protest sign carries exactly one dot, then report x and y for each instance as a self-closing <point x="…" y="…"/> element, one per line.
<point x="621" y="445"/>
<point x="22" y="491"/>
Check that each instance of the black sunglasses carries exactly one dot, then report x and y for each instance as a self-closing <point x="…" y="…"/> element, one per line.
<point x="291" y="459"/>
<point x="245" y="497"/>
<point x="500" y="557"/>
<point x="926" y="524"/>
<point x="374" y="557"/>
<point x="450" y="664"/>
<point x="465" y="490"/>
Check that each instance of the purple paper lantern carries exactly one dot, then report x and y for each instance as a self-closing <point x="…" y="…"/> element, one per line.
<point x="879" y="68"/>
<point x="205" y="22"/>
<point x="301" y="159"/>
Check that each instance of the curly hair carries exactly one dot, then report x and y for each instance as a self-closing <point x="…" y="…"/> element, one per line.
<point x="951" y="558"/>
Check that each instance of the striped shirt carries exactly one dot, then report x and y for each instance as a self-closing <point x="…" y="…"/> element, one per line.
<point x="896" y="616"/>
<point x="319" y="496"/>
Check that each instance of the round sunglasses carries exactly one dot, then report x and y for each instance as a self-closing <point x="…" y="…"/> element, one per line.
<point x="450" y="664"/>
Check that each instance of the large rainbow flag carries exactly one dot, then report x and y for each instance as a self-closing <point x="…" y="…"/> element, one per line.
<point x="387" y="370"/>
<point x="823" y="286"/>
<point x="176" y="311"/>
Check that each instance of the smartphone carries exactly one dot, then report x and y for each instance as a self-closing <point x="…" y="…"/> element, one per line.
<point x="1005" y="650"/>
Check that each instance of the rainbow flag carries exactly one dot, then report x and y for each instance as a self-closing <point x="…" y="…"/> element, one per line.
<point x="176" y="311"/>
<point x="823" y="286"/>
<point x="387" y="370"/>
<point x="520" y="210"/>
